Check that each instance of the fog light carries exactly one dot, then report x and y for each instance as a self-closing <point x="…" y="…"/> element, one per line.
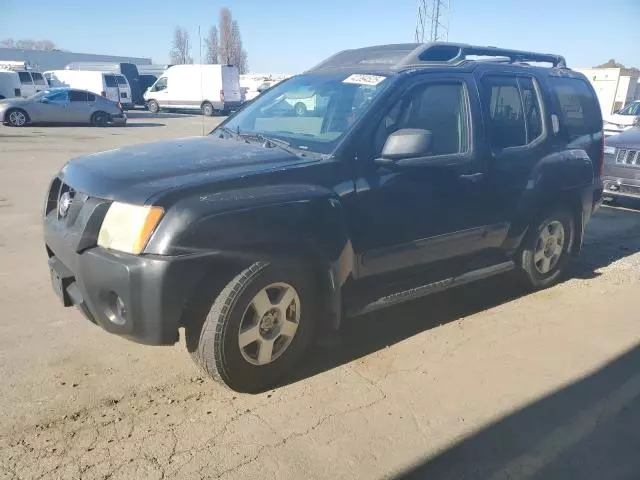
<point x="116" y="312"/>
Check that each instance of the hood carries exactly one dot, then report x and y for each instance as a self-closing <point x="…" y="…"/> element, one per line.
<point x="621" y="119"/>
<point x="627" y="139"/>
<point x="13" y="102"/>
<point x="135" y="174"/>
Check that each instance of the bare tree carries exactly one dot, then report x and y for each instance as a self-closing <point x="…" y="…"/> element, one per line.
<point x="231" y="49"/>
<point x="180" y="49"/>
<point x="213" y="46"/>
<point x="28" y="44"/>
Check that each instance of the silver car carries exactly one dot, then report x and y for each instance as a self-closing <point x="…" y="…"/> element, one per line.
<point x="61" y="105"/>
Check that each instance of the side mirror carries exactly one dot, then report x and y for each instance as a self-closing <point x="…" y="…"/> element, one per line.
<point x="406" y="143"/>
<point x="44" y="100"/>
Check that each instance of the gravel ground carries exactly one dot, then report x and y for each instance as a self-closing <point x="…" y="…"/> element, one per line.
<point x="485" y="381"/>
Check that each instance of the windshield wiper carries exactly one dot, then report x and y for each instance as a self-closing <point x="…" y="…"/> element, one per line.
<point x="235" y="134"/>
<point x="270" y="142"/>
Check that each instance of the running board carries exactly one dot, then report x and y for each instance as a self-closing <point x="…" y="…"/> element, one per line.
<point x="439" y="286"/>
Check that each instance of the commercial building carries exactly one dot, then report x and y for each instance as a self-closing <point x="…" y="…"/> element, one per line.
<point x="615" y="87"/>
<point x="57" y="60"/>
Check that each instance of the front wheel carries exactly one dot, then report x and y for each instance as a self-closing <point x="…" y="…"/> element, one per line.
<point x="17" y="117"/>
<point x="257" y="329"/>
<point x="153" y="106"/>
<point x="208" y="110"/>
<point x="100" y="119"/>
<point x="546" y="249"/>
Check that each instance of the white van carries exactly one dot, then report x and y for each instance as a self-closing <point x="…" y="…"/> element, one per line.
<point x="9" y="84"/>
<point x="31" y="82"/>
<point x="210" y="88"/>
<point x="100" y="83"/>
<point x="624" y="119"/>
<point x="126" y="98"/>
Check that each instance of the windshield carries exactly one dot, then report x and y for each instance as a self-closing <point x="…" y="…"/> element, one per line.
<point x="310" y="112"/>
<point x="45" y="93"/>
<point x="631" y="109"/>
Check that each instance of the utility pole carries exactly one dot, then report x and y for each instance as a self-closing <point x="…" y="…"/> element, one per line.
<point x="433" y="20"/>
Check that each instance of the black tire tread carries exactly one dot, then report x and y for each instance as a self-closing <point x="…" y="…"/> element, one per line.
<point x="213" y="326"/>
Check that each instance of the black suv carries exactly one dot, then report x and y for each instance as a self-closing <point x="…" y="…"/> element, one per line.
<point x="415" y="168"/>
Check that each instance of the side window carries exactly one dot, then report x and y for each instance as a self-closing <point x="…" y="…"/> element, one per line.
<point x="441" y="108"/>
<point x="531" y="106"/>
<point x="91" y="97"/>
<point x="122" y="81"/>
<point x="579" y="109"/>
<point x="161" y="84"/>
<point x="58" y="97"/>
<point x="38" y="79"/>
<point x="507" y="127"/>
<point x="110" y="81"/>
<point x="25" y="78"/>
<point x="77" y="96"/>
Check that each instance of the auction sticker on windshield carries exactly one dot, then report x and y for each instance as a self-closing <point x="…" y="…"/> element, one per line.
<point x="361" y="79"/>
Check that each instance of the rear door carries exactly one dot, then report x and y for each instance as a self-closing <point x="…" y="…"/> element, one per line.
<point x="112" y="92"/>
<point x="79" y="106"/>
<point x="27" y="87"/>
<point x="39" y="81"/>
<point x="231" y="85"/>
<point x="125" y="89"/>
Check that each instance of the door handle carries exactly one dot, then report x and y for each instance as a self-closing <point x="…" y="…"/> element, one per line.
<point x="472" y="178"/>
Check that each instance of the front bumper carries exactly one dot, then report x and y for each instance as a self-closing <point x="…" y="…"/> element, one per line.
<point x="141" y="297"/>
<point x="120" y="119"/>
<point x="621" y="181"/>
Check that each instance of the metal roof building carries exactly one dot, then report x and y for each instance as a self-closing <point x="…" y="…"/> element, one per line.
<point x="56" y="60"/>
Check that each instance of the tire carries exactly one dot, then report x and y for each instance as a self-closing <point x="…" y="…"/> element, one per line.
<point x="215" y="344"/>
<point x="300" y="109"/>
<point x="100" y="119"/>
<point x="546" y="249"/>
<point x="208" y="110"/>
<point x="153" y="106"/>
<point x="16" y="117"/>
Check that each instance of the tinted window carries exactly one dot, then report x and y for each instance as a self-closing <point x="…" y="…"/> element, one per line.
<point x="77" y="96"/>
<point x="507" y="126"/>
<point x="121" y="80"/>
<point x="38" y="78"/>
<point x="531" y="106"/>
<point x="91" y="97"/>
<point x="579" y="110"/>
<point x="631" y="109"/>
<point x="25" y="77"/>
<point x="440" y="108"/>
<point x="110" y="81"/>
<point x="57" y="97"/>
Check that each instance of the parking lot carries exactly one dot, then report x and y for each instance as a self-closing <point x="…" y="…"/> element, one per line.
<point x="483" y="381"/>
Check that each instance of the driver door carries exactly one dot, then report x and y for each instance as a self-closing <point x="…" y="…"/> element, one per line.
<point x="51" y="108"/>
<point x="411" y="216"/>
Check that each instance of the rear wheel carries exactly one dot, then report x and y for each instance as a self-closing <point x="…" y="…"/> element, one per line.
<point x="257" y="329"/>
<point x="17" y="117"/>
<point x="153" y="106"/>
<point x="100" y="119"/>
<point x="208" y="110"/>
<point x="546" y="249"/>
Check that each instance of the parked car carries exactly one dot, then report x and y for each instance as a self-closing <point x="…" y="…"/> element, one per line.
<point x="31" y="81"/>
<point x="624" y="119"/>
<point x="101" y="83"/>
<point x="61" y="105"/>
<point x="129" y="70"/>
<point x="9" y="84"/>
<point x="209" y="88"/>
<point x="427" y="170"/>
<point x="621" y="174"/>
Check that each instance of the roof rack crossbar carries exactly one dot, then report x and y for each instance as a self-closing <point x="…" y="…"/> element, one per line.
<point x="443" y="52"/>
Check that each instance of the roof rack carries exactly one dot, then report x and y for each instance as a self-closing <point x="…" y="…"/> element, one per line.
<point x="411" y="55"/>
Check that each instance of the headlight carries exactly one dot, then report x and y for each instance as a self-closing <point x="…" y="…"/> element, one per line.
<point x="609" y="150"/>
<point x="127" y="228"/>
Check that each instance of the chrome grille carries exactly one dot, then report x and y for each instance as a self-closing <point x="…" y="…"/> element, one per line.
<point x="628" y="157"/>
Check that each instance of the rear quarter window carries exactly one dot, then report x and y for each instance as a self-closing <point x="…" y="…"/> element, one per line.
<point x="579" y="111"/>
<point x="25" y="77"/>
<point x="110" y="81"/>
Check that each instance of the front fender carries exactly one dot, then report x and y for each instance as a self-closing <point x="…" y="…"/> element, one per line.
<point x="278" y="223"/>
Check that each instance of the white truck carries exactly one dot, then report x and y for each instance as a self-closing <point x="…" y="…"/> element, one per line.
<point x="100" y="83"/>
<point x="209" y="88"/>
<point x="31" y="81"/>
<point x="9" y="84"/>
